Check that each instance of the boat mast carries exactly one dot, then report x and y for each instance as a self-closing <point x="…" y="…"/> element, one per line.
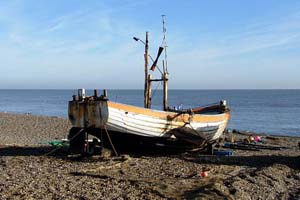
<point x="165" y="68"/>
<point x="146" y="88"/>
<point x="148" y="77"/>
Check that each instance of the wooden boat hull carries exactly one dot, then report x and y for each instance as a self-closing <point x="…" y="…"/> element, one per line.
<point x="132" y="127"/>
<point x="154" y="123"/>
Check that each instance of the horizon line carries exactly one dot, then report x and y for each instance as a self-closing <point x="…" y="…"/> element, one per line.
<point x="143" y="89"/>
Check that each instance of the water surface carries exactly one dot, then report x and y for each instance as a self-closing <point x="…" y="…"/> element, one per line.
<point x="269" y="111"/>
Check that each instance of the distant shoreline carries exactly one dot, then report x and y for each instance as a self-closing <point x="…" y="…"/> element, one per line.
<point x="186" y="89"/>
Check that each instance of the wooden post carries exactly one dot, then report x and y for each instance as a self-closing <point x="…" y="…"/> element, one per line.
<point x="146" y="95"/>
<point x="165" y="79"/>
<point x="149" y="91"/>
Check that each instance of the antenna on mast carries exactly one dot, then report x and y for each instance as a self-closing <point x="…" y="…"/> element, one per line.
<point x="164" y="43"/>
<point x="165" y="77"/>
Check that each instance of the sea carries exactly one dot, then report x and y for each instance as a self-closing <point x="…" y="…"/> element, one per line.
<point x="263" y="111"/>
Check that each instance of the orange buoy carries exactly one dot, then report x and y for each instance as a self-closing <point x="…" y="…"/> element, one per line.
<point x="204" y="174"/>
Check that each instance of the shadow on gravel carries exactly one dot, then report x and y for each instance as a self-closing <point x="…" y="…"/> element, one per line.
<point x="206" y="191"/>
<point x="251" y="161"/>
<point x="28" y="151"/>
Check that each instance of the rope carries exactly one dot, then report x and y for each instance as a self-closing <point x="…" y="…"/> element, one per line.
<point x="116" y="153"/>
<point x="54" y="150"/>
<point x="51" y="152"/>
<point x="76" y="134"/>
<point x="154" y="91"/>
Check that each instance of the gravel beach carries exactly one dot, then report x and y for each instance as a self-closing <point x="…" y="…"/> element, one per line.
<point x="28" y="171"/>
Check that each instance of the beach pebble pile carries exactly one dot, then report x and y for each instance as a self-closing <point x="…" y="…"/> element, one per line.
<point x="26" y="129"/>
<point x="28" y="171"/>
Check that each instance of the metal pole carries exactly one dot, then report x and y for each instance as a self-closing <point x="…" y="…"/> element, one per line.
<point x="165" y="41"/>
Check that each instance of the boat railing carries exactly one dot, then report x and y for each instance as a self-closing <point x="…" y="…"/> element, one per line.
<point x="210" y="109"/>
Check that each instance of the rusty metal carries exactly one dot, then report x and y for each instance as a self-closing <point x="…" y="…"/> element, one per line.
<point x="89" y="112"/>
<point x="75" y="98"/>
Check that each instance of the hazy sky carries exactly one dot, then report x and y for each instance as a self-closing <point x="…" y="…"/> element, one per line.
<point x="212" y="44"/>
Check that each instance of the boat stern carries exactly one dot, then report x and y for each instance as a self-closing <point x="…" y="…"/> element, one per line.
<point x="88" y="111"/>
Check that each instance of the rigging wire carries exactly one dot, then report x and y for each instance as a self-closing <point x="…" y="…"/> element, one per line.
<point x="154" y="91"/>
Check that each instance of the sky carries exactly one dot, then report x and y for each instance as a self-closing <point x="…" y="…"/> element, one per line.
<point x="212" y="44"/>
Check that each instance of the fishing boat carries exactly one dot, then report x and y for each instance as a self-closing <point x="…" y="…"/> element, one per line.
<point x="124" y="127"/>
